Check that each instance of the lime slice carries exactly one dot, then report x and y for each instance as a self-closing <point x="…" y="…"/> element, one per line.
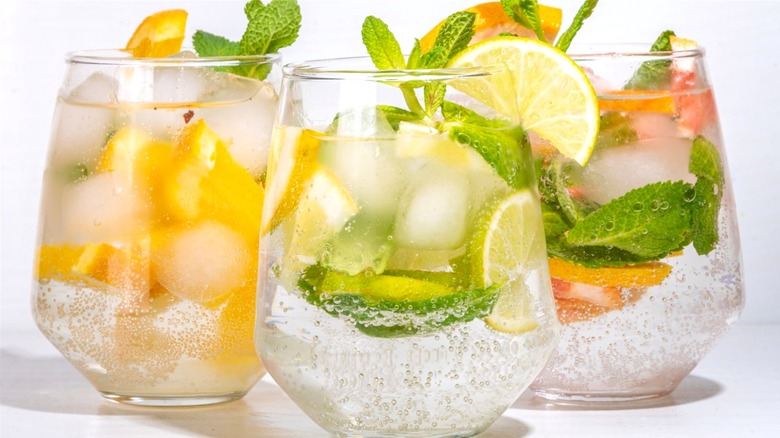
<point x="322" y="211"/>
<point x="549" y="94"/>
<point x="291" y="162"/>
<point x="505" y="246"/>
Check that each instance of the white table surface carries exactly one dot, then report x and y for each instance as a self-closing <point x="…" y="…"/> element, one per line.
<point x="734" y="392"/>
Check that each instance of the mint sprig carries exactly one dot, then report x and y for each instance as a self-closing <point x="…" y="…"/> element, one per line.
<point x="653" y="75"/>
<point x="645" y="224"/>
<point x="707" y="166"/>
<point x="585" y="11"/>
<point x="525" y="12"/>
<point x="383" y="48"/>
<point x="454" y="36"/>
<point x="651" y="221"/>
<point x="270" y="28"/>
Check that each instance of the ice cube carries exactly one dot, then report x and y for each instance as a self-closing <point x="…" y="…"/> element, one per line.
<point x="103" y="208"/>
<point x="246" y="126"/>
<point x="649" y="125"/>
<point x="612" y="172"/>
<point x="369" y="170"/>
<point x="80" y="128"/>
<point x="433" y="212"/>
<point x="204" y="263"/>
<point x="97" y="88"/>
<point x="162" y="84"/>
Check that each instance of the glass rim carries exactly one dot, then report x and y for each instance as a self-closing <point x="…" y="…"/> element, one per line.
<point x="326" y="69"/>
<point x="628" y="51"/>
<point x="123" y="57"/>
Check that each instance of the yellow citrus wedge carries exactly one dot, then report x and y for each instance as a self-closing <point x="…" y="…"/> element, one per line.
<point x="291" y="162"/>
<point x="491" y="21"/>
<point x="205" y="182"/>
<point x="159" y="35"/>
<point x="549" y="94"/>
<point x="507" y="238"/>
<point x="323" y="209"/>
<point x="642" y="275"/>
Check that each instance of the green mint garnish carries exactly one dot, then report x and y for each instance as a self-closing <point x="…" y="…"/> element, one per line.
<point x="652" y="75"/>
<point x="500" y="146"/>
<point x="585" y="11"/>
<point x="454" y="35"/>
<point x="651" y="221"/>
<point x="414" y="56"/>
<point x="706" y="164"/>
<point x="271" y="27"/>
<point x="525" y="12"/>
<point x="434" y="97"/>
<point x="208" y="44"/>
<point x="381" y="44"/>
<point x="561" y="175"/>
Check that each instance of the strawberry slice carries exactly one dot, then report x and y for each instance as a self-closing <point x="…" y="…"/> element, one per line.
<point x="695" y="110"/>
<point x="609" y="297"/>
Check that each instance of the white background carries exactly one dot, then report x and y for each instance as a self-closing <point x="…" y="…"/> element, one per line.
<point x="743" y="58"/>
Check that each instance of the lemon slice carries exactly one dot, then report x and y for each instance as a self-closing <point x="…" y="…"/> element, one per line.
<point x="159" y="35"/>
<point x="506" y="243"/>
<point x="322" y="211"/>
<point x="291" y="162"/>
<point x="549" y="94"/>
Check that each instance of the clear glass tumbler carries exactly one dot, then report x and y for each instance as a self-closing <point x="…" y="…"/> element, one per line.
<point x="406" y="289"/>
<point x="643" y="241"/>
<point x="146" y="268"/>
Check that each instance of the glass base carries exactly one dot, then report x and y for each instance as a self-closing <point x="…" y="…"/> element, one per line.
<point x="172" y="401"/>
<point x="407" y="434"/>
<point x="600" y="398"/>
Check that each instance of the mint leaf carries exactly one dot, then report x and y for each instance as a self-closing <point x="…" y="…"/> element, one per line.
<point x="207" y="44"/>
<point x="525" y="12"/>
<point x="382" y="45"/>
<point x="502" y="146"/>
<point x="363" y="301"/>
<point x="594" y="256"/>
<point x="271" y="27"/>
<point x="651" y="221"/>
<point x="434" y="96"/>
<point x="253" y="9"/>
<point x="454" y="35"/>
<point x="585" y="11"/>
<point x="652" y="75"/>
<point x="361" y="246"/>
<point x="706" y="164"/>
<point x="458" y="113"/>
<point x="395" y="115"/>
<point x="368" y="121"/>
<point x="562" y="177"/>
<point x="615" y="130"/>
<point x="414" y="57"/>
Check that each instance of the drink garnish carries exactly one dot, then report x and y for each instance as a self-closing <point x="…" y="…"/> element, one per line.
<point x="271" y="27"/>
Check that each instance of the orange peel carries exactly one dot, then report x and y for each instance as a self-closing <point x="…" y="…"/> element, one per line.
<point x="159" y="35"/>
<point x="492" y="20"/>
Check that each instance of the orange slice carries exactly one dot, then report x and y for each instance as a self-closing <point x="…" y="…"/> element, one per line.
<point x="206" y="182"/>
<point x="643" y="275"/>
<point x="159" y="35"/>
<point x="654" y="101"/>
<point x="491" y="21"/>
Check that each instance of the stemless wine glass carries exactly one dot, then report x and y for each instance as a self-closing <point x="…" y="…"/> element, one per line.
<point x="406" y="290"/>
<point x="643" y="241"/>
<point x="147" y="265"/>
